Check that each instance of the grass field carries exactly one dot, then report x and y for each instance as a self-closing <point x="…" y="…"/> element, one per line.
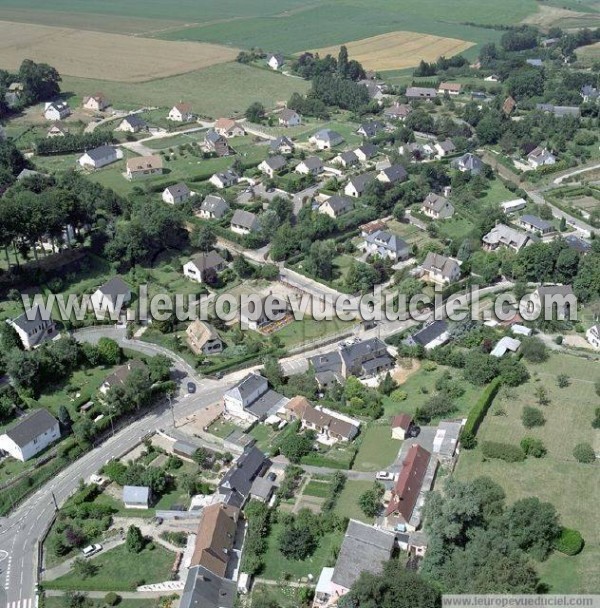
<point x="112" y="56"/>
<point x="398" y="50"/>
<point x="307" y="330"/>
<point x="573" y="488"/>
<point x="59" y="602"/>
<point x="377" y="449"/>
<point x="220" y="90"/>
<point x="347" y="502"/>
<point x="119" y="570"/>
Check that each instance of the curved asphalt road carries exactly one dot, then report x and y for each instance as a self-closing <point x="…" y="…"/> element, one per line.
<point x="21" y="530"/>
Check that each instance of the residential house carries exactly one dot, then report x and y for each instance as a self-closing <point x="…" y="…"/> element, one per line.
<point x="176" y="194"/>
<point x="559" y="111"/>
<point x="281" y="145"/>
<point x="364" y="549"/>
<point x="579" y="245"/>
<point x="268" y="312"/>
<point x="215" y="538"/>
<point x="593" y="335"/>
<point x="236" y="484"/>
<point x="56" y="110"/>
<point x="416" y="151"/>
<point x="96" y="102"/>
<point x="181" y="112"/>
<point x="58" y="129"/>
<point x="204" y="267"/>
<point x="289" y="118"/>
<point x="451" y="88"/>
<point x="375" y="89"/>
<point x="111" y="297"/>
<point x="100" y="157"/>
<point x="492" y="78"/>
<point x="132" y="124"/>
<point x="535" y="224"/>
<point x="397" y="111"/>
<point x="540" y="157"/>
<point x="386" y="245"/>
<point x="401" y="425"/>
<point x="553" y="301"/>
<point x="364" y="358"/>
<point x="142" y="167"/>
<point x="370" y="129"/>
<point x="371" y="227"/>
<point x="227" y="127"/>
<point x="392" y="175"/>
<point x="468" y="163"/>
<point x="346" y="159"/>
<point x="502" y="235"/>
<point x="440" y="269"/>
<point x="32" y="328"/>
<point x="213" y="207"/>
<point x="443" y="148"/>
<point x="275" y="61"/>
<point x="437" y="207"/>
<point x="203" y="339"/>
<point x="262" y="489"/>
<point x="590" y="93"/>
<point x="366" y="152"/>
<point x="330" y="426"/>
<point x="358" y="184"/>
<point x="509" y="105"/>
<point x="30" y="435"/>
<point x="252" y="399"/>
<point x="420" y="93"/>
<point x="505" y="345"/>
<point x="136" y="497"/>
<point x="325" y="139"/>
<point x="207" y="590"/>
<point x="120" y="375"/>
<point x="244" y="222"/>
<point x="431" y="336"/>
<point x="336" y="205"/>
<point x="312" y="165"/>
<point x="402" y="505"/>
<point x="224" y="179"/>
<point x="217" y="143"/>
<point x="273" y="165"/>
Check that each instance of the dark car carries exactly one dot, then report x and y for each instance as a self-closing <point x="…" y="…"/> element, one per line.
<point x="271" y="477"/>
<point x="191" y="387"/>
<point x="414" y="431"/>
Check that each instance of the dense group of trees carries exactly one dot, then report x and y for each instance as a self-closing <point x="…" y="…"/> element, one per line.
<point x="72" y="143"/>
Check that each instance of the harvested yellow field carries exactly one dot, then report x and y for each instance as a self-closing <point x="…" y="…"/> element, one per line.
<point x="105" y="56"/>
<point x="399" y="50"/>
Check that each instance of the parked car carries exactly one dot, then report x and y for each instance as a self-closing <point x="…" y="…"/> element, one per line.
<point x="191" y="387"/>
<point x="413" y="431"/>
<point x="271" y="477"/>
<point x="91" y="550"/>
<point x="384" y="476"/>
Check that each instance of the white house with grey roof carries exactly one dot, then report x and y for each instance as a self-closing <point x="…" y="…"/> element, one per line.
<point x="540" y="157"/>
<point x="535" y="224"/>
<point x="32" y="328"/>
<point x="357" y="185"/>
<point x="252" y="399"/>
<point x="213" y="207"/>
<point x="424" y="93"/>
<point x="366" y="152"/>
<point x="312" y="165"/>
<point x="502" y="235"/>
<point x="32" y="434"/>
<point x="468" y="163"/>
<point x="204" y="267"/>
<point x="272" y="165"/>
<point x="335" y="206"/>
<point x="346" y="159"/>
<point x="244" y="222"/>
<point x="432" y="335"/>
<point x="392" y="174"/>
<point x="100" y="157"/>
<point x="325" y="139"/>
<point x="176" y="194"/>
<point x="386" y="245"/>
<point x="289" y="118"/>
<point x="282" y="145"/>
<point x="111" y="297"/>
<point x="437" y="207"/>
<point x="224" y="179"/>
<point x="132" y="124"/>
<point x="440" y="269"/>
<point x="136" y="497"/>
<point x="56" y="110"/>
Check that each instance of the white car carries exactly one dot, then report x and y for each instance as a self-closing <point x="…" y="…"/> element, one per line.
<point x="384" y="476"/>
<point x="91" y="550"/>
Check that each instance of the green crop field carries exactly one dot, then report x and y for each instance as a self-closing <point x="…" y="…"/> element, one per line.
<point x="572" y="487"/>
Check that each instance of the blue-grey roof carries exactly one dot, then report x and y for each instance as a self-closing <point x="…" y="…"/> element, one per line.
<point x="31" y="426"/>
<point x="138" y="495"/>
<point x="203" y="589"/>
<point x="242" y="473"/>
<point x="430" y="333"/>
<point x="102" y="152"/>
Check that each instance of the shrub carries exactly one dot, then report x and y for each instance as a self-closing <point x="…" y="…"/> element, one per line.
<point x="479" y="410"/>
<point x="534" y="350"/>
<point x="533" y="447"/>
<point x="399" y="395"/>
<point x="468" y="440"/>
<point x="596" y="420"/>
<point x="562" y="380"/>
<point x="584" y="452"/>
<point x="429" y="366"/>
<point x="532" y="416"/>
<point x="570" y="542"/>
<point x="558" y="340"/>
<point x="503" y="451"/>
<point x="111" y="599"/>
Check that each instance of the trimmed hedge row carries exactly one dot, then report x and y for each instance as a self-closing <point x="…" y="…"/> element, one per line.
<point x="570" y="542"/>
<point x="503" y="451"/>
<point x="480" y="409"/>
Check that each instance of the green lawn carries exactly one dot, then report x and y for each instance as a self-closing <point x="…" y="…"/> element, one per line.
<point x="59" y="602"/>
<point x="319" y="489"/>
<point x="377" y="448"/>
<point x="570" y="486"/>
<point x="308" y="329"/>
<point x="119" y="570"/>
<point x="222" y="428"/>
<point x="347" y="502"/>
<point x="219" y="90"/>
<point x="276" y="564"/>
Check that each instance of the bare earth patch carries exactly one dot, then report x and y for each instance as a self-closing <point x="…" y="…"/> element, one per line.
<point x="399" y="50"/>
<point x="548" y="16"/>
<point x="105" y="56"/>
<point x="401" y="374"/>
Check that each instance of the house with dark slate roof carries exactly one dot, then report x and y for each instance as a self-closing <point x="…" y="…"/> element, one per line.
<point x="236" y="484"/>
<point x="30" y="435"/>
<point x="213" y="207"/>
<point x="358" y="184"/>
<point x="111" y="296"/>
<point x="336" y="205"/>
<point x="430" y="336"/>
<point x="33" y="328"/>
<point x="176" y="194"/>
<point x="204" y="267"/>
<point x="252" y="399"/>
<point x="100" y="157"/>
<point x="384" y="244"/>
<point x="392" y="174"/>
<point x="203" y="589"/>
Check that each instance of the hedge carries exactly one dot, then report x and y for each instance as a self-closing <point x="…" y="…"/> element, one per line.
<point x="503" y="451"/>
<point x="570" y="542"/>
<point x="481" y="407"/>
